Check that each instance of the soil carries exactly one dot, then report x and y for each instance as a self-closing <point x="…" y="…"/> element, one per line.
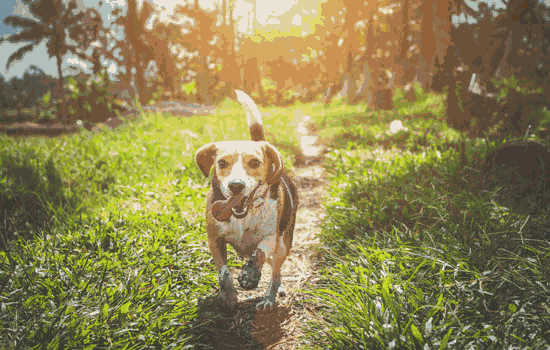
<point x="281" y="328"/>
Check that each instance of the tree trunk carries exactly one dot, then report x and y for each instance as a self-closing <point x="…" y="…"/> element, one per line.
<point x="502" y="66"/>
<point x="254" y="14"/>
<point x="371" y="70"/>
<point x="224" y="12"/>
<point x="60" y="83"/>
<point x="235" y="65"/>
<point x="140" y="82"/>
<point x="442" y="29"/>
<point x="427" y="44"/>
<point x="401" y="64"/>
<point x="232" y="25"/>
<point x="349" y="81"/>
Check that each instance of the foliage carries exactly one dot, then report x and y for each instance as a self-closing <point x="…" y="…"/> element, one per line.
<point x="419" y="249"/>
<point x="24" y="92"/>
<point x="90" y="99"/>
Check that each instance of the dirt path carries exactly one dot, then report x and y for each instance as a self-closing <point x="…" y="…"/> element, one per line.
<point x="297" y="269"/>
<point x="247" y="328"/>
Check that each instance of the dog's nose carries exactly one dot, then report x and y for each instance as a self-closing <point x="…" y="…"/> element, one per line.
<point x="236" y="187"/>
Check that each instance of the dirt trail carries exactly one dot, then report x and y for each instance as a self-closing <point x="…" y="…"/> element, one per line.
<point x="247" y="328"/>
<point x="279" y="330"/>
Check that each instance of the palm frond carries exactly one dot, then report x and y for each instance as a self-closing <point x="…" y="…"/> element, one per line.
<point x="70" y="19"/>
<point x="36" y="34"/>
<point x="17" y="55"/>
<point x="18" y="21"/>
<point x="45" y="10"/>
<point x="147" y="10"/>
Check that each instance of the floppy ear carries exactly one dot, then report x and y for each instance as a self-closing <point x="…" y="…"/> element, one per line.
<point x="275" y="163"/>
<point x="205" y="157"/>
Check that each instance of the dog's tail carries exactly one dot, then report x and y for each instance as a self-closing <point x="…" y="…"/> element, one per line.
<point x="253" y="116"/>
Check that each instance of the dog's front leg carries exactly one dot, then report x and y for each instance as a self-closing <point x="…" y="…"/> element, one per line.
<point x="252" y="270"/>
<point x="228" y="294"/>
<point x="279" y="256"/>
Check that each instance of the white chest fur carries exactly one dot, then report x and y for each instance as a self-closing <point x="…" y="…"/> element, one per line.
<point x="245" y="234"/>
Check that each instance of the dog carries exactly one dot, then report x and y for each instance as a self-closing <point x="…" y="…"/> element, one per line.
<point x="260" y="200"/>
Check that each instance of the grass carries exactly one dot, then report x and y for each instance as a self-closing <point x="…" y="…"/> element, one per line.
<point x="102" y="233"/>
<point x="103" y="240"/>
<point x="418" y="248"/>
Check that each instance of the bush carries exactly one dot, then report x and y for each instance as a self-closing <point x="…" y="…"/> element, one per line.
<point x="90" y="99"/>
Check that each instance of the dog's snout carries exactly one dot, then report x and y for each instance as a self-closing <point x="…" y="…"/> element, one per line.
<point x="236" y="187"/>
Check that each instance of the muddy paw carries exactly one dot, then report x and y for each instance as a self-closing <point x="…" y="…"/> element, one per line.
<point x="265" y="305"/>
<point x="228" y="300"/>
<point x="250" y="276"/>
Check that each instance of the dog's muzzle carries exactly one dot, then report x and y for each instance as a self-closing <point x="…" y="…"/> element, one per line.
<point x="241" y="209"/>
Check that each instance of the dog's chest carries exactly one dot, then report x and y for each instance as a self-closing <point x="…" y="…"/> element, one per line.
<point x="245" y="234"/>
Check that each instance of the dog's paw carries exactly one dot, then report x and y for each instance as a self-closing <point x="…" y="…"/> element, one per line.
<point x="281" y="291"/>
<point x="249" y="276"/>
<point x="228" y="300"/>
<point x="265" y="305"/>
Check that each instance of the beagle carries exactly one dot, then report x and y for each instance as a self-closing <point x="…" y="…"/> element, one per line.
<point x="251" y="205"/>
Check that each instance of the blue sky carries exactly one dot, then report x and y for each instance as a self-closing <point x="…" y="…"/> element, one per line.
<point x="6" y="7"/>
<point x="39" y="56"/>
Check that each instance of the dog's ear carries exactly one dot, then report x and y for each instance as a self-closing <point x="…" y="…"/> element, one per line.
<point x="205" y="157"/>
<point x="275" y="163"/>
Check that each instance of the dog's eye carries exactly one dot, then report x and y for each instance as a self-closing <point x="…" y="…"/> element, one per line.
<point x="254" y="163"/>
<point x="222" y="163"/>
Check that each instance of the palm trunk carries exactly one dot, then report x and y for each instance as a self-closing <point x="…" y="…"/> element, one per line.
<point x="371" y="68"/>
<point x="140" y="82"/>
<point x="224" y="12"/>
<point x="349" y="82"/>
<point x="254" y="14"/>
<point x="60" y="83"/>
<point x="401" y="66"/>
<point x="502" y="67"/>
<point x="427" y="44"/>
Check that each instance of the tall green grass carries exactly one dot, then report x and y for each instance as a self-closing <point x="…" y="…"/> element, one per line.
<point x="419" y="251"/>
<point x="103" y="239"/>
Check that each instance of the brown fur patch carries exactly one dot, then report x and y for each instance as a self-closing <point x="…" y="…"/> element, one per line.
<point x="257" y="132"/>
<point x="288" y="214"/>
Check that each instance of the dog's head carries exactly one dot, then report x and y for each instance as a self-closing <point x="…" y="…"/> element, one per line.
<point x="240" y="166"/>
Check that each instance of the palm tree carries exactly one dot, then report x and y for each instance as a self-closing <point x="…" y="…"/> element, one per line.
<point x="51" y="21"/>
<point x="164" y="35"/>
<point x="136" y="49"/>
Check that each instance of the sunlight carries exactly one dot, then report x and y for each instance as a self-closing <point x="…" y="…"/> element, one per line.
<point x="267" y="11"/>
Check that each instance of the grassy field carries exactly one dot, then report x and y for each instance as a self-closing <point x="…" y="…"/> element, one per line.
<point x="103" y="240"/>
<point x="422" y="248"/>
<point x="105" y="231"/>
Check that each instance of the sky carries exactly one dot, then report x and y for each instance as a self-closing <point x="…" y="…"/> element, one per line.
<point x="267" y="11"/>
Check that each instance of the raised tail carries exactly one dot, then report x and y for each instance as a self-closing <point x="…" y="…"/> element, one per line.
<point x="253" y="116"/>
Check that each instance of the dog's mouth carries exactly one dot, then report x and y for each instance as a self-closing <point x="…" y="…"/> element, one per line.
<point x="240" y="210"/>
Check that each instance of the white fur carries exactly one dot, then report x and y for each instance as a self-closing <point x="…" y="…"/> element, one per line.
<point x="258" y="226"/>
<point x="238" y="174"/>
<point x="253" y="115"/>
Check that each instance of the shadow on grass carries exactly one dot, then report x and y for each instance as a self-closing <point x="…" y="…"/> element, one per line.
<point x="434" y="208"/>
<point x="244" y="328"/>
<point x="32" y="195"/>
